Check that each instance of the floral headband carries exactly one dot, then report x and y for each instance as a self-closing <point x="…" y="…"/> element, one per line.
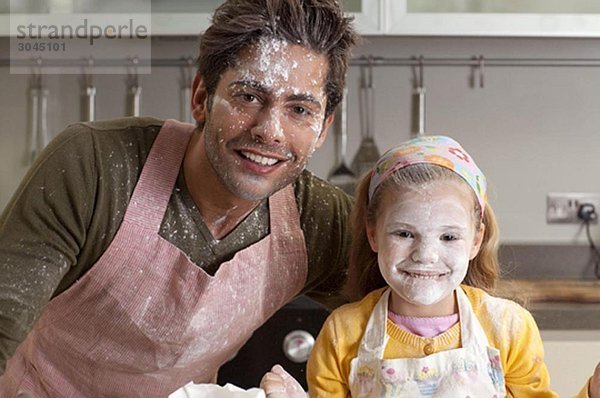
<point x="434" y="149"/>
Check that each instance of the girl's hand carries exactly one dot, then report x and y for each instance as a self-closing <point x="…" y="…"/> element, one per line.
<point x="595" y="383"/>
<point x="280" y="384"/>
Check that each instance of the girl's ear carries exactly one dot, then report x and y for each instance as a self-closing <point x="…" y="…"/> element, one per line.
<point x="477" y="241"/>
<point x="372" y="236"/>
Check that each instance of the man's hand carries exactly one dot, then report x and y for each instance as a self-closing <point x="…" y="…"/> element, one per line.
<point x="595" y="383"/>
<point x="280" y="384"/>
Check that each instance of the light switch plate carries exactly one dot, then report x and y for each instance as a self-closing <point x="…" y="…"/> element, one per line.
<point x="563" y="208"/>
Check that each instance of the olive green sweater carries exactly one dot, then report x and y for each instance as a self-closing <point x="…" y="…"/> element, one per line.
<point x="71" y="203"/>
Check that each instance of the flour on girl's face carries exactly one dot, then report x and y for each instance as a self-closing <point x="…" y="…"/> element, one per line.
<point x="424" y="238"/>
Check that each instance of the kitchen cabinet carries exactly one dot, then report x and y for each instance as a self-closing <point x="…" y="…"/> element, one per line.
<point x="172" y="17"/>
<point x="571" y="356"/>
<point x="189" y="17"/>
<point x="525" y="18"/>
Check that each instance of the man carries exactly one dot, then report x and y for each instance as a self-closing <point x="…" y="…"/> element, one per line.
<point x="138" y="255"/>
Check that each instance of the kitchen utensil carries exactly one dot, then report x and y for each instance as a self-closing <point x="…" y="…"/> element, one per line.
<point x="342" y="176"/>
<point x="550" y="290"/>
<point x="134" y="91"/>
<point x="418" y="102"/>
<point x="89" y="97"/>
<point x="187" y="74"/>
<point x="368" y="153"/>
<point x="34" y="95"/>
<point x="44" y="136"/>
<point x="38" y="116"/>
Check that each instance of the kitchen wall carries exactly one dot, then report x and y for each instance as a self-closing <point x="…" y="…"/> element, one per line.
<point x="533" y="130"/>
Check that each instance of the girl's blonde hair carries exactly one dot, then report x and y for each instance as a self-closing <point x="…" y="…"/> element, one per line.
<point x="363" y="271"/>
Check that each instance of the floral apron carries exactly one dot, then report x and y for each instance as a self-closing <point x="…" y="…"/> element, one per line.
<point x="145" y="320"/>
<point x="471" y="371"/>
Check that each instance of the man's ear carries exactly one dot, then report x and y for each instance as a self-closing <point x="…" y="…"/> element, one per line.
<point x="199" y="99"/>
<point x="326" y="124"/>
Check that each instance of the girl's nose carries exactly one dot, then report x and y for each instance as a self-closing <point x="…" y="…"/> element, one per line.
<point x="425" y="253"/>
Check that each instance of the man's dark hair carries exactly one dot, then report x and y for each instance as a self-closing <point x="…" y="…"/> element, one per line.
<point x="318" y="25"/>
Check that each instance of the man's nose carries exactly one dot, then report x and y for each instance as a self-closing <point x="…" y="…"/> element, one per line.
<point x="268" y="127"/>
<point x="425" y="252"/>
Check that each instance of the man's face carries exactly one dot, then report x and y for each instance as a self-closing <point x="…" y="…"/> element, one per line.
<point x="266" y="118"/>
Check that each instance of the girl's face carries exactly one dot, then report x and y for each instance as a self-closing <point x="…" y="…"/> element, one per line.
<point x="424" y="238"/>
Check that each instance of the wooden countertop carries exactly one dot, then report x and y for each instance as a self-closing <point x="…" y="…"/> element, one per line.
<point x="549" y="290"/>
<point x="557" y="304"/>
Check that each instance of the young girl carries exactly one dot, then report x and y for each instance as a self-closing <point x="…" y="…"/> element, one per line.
<point x="425" y="257"/>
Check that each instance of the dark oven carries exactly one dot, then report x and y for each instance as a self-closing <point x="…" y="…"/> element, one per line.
<point x="286" y="339"/>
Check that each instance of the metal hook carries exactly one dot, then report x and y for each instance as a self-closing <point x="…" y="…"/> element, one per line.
<point x="481" y="66"/>
<point x="421" y="76"/>
<point x="188" y="70"/>
<point x="37" y="72"/>
<point x="370" y="71"/>
<point x="134" y="78"/>
<point x="88" y="71"/>
<point x="189" y="61"/>
<point x="187" y="74"/>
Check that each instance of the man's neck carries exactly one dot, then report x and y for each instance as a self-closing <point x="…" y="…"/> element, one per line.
<point x="220" y="210"/>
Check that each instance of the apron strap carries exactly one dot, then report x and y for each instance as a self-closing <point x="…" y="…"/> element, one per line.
<point x="375" y="338"/>
<point x="155" y="185"/>
<point x="471" y="331"/>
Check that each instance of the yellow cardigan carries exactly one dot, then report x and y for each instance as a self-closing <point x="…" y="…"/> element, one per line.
<point x="509" y="327"/>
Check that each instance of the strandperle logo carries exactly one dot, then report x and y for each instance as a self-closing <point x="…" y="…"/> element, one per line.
<point x="60" y="41"/>
<point x="85" y="30"/>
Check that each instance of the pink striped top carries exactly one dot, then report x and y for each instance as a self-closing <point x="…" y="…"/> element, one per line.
<point x="424" y="326"/>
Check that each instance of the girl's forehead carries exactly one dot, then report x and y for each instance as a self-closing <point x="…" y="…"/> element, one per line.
<point x="440" y="196"/>
<point x="449" y="188"/>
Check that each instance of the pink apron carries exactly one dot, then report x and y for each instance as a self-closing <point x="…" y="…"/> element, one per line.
<point x="474" y="370"/>
<point x="145" y="320"/>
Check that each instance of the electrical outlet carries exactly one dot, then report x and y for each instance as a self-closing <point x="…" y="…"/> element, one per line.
<point x="562" y="208"/>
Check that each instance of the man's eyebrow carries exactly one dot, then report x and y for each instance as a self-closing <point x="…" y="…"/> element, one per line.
<point x="255" y="84"/>
<point x="304" y="97"/>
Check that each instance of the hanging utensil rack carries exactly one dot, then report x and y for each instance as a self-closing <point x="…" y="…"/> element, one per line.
<point x="376" y="61"/>
<point x="475" y="63"/>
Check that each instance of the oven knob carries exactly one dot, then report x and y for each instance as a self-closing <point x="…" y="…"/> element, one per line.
<point x="297" y="345"/>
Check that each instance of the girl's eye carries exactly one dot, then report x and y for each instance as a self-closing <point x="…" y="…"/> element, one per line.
<point x="449" y="237"/>
<point x="403" y="234"/>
